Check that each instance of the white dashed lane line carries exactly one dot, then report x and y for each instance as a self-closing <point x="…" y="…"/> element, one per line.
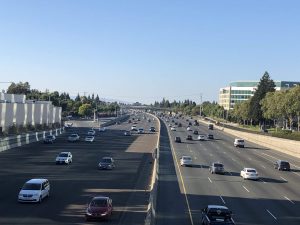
<point x="209" y="180"/>
<point x="271" y="214"/>
<point x="283" y="179"/>
<point x="245" y="188"/>
<point x="289" y="200"/>
<point x="223" y="200"/>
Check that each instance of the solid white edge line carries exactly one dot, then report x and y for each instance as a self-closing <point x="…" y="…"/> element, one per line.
<point x="283" y="178"/>
<point x="296" y="173"/>
<point x="271" y="214"/>
<point x="181" y="179"/>
<point x="209" y="180"/>
<point x="245" y="188"/>
<point x="223" y="200"/>
<point x="289" y="200"/>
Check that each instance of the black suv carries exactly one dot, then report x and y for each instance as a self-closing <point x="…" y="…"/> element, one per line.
<point x="282" y="165"/>
<point x="195" y="132"/>
<point x="189" y="137"/>
<point x="178" y="139"/>
<point x="216" y="215"/>
<point x="210" y="136"/>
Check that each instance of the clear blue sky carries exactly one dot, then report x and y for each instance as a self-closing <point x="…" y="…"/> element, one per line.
<point x="145" y="50"/>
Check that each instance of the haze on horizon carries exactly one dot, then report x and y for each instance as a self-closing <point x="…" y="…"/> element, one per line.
<point x="144" y="51"/>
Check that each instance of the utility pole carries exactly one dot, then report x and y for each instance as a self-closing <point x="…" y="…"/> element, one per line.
<point x="200" y="105"/>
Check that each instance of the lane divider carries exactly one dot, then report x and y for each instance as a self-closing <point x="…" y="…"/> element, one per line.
<point x="271" y="214"/>
<point x="289" y="200"/>
<point x="245" y="188"/>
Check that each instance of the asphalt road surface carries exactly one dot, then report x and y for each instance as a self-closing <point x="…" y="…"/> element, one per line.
<point x="273" y="199"/>
<point x="73" y="185"/>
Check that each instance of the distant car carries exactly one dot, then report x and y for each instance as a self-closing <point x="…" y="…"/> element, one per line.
<point x="127" y="133"/>
<point x="129" y="121"/>
<point x="133" y="128"/>
<point x="190" y="124"/>
<point x="73" y="138"/>
<point x="99" y="207"/>
<point x="217" y="168"/>
<point x="195" y="132"/>
<point x="189" y="129"/>
<point x="64" y="158"/>
<point x="210" y="126"/>
<point x="189" y="137"/>
<point x="152" y="129"/>
<point x="49" y="139"/>
<point x="201" y="137"/>
<point x="186" y="161"/>
<point x="91" y="132"/>
<point x="179" y="125"/>
<point x="102" y="129"/>
<point x="34" y="190"/>
<point x="106" y="163"/>
<point x="249" y="173"/>
<point x="141" y="130"/>
<point x="176" y="123"/>
<point x="170" y="125"/>
<point x="216" y="215"/>
<point x="173" y="128"/>
<point x="210" y="136"/>
<point x="178" y="139"/>
<point x="89" y="139"/>
<point x="239" y="143"/>
<point x="118" y="123"/>
<point x="282" y="165"/>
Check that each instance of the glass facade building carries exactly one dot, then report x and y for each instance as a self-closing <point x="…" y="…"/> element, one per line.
<point x="240" y="91"/>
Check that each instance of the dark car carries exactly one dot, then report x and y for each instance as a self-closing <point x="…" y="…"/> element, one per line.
<point x="107" y="163"/>
<point x="217" y="168"/>
<point x="99" y="207"/>
<point x="49" y="139"/>
<point x="282" y="165"/>
<point x="129" y="121"/>
<point x="195" y="132"/>
<point x="178" y="139"/>
<point x="152" y="129"/>
<point x="179" y="125"/>
<point x="189" y="137"/>
<point x="210" y="136"/>
<point x="190" y="124"/>
<point x="216" y="215"/>
<point x="176" y="123"/>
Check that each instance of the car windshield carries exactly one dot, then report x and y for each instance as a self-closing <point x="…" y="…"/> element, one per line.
<point x="186" y="158"/>
<point x="218" y="165"/>
<point x="99" y="203"/>
<point x="106" y="160"/>
<point x="251" y="171"/>
<point x="240" y="140"/>
<point x="63" y="155"/>
<point x="73" y="135"/>
<point x="89" y="137"/>
<point x="284" y="163"/>
<point x="31" y="186"/>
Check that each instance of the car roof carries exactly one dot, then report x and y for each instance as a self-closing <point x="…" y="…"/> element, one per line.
<point x="186" y="156"/>
<point x="217" y="163"/>
<point x="36" y="180"/>
<point x="106" y="157"/>
<point x="282" y="161"/>
<point x="216" y="207"/>
<point x="64" y="152"/>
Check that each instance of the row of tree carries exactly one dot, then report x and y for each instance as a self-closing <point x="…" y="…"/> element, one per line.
<point x="79" y="106"/>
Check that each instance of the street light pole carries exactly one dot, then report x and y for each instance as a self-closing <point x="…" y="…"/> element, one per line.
<point x="200" y="105"/>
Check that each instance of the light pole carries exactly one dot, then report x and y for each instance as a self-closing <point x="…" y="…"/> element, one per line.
<point x="200" y="112"/>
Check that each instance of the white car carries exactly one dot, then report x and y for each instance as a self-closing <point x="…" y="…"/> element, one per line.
<point x="34" y="190"/>
<point x="91" y="132"/>
<point x="73" y="138"/>
<point x="89" y="139"/>
<point x="186" y="161"/>
<point x="140" y="130"/>
<point x="64" y="158"/>
<point x="133" y="128"/>
<point x="249" y="173"/>
<point x="173" y="128"/>
<point x="201" y="137"/>
<point x="239" y="143"/>
<point x="102" y="129"/>
<point x="170" y="125"/>
<point x="189" y="129"/>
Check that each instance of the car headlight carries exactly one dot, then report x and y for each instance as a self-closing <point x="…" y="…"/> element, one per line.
<point x="88" y="213"/>
<point x="104" y="214"/>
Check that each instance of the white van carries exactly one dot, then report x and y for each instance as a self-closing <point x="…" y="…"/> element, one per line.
<point x="239" y="143"/>
<point x="34" y="190"/>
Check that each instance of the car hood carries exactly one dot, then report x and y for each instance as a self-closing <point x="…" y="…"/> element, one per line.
<point x="29" y="192"/>
<point x="98" y="209"/>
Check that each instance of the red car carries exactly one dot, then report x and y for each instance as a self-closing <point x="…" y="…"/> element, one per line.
<point x="100" y="207"/>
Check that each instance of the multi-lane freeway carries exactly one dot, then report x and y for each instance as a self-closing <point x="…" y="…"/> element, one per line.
<point x="273" y="199"/>
<point x="73" y="185"/>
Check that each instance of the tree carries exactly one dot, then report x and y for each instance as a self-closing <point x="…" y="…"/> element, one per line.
<point x="19" y="88"/>
<point x="85" y="110"/>
<point x="265" y="85"/>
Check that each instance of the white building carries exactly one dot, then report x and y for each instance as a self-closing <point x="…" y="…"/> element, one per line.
<point x="241" y="91"/>
<point x="15" y="110"/>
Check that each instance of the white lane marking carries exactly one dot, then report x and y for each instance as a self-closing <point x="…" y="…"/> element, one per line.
<point x="283" y="179"/>
<point x="289" y="200"/>
<point x="263" y="166"/>
<point x="209" y="180"/>
<point x="211" y="155"/>
<point x="225" y="152"/>
<point x="233" y="159"/>
<point x="296" y="174"/>
<point x="250" y="158"/>
<point x="271" y="214"/>
<point x="223" y="200"/>
<point x="245" y="188"/>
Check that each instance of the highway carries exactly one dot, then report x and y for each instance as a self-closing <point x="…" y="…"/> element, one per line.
<point x="73" y="185"/>
<point x="274" y="199"/>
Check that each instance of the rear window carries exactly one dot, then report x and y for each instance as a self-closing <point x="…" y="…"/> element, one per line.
<point x="251" y="171"/>
<point x="218" y="165"/>
<point x="187" y="158"/>
<point x="284" y="163"/>
<point x="31" y="186"/>
<point x="63" y="155"/>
